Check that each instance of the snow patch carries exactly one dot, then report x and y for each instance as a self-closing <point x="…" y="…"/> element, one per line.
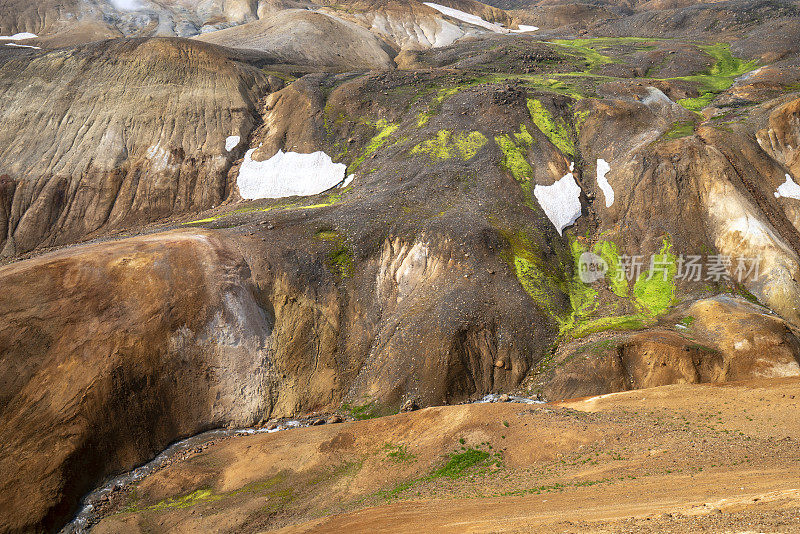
<point x="469" y="18"/>
<point x="18" y="36"/>
<point x="24" y="46"/>
<point x="232" y="142"/>
<point x="788" y="189"/>
<point x="603" y="168"/>
<point x="560" y="201"/>
<point x="347" y="181"/>
<point x="126" y="5"/>
<point x="525" y="29"/>
<point x="288" y="174"/>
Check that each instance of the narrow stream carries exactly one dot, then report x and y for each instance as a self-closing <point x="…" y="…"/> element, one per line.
<point x="89" y="515"/>
<point x="90" y="512"/>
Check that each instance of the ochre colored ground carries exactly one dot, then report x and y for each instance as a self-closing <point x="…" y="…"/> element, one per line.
<point x="671" y="459"/>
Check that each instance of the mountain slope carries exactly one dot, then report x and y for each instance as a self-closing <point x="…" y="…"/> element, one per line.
<point x="131" y="131"/>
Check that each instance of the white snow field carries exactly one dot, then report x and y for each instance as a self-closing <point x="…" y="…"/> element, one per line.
<point x="788" y="189"/>
<point x="18" y="36"/>
<point x="288" y="174"/>
<point x="603" y="168"/>
<point x="475" y="20"/>
<point x="231" y="142"/>
<point x="560" y="201"/>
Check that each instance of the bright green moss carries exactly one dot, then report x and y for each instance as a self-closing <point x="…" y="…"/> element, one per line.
<point x="719" y="77"/>
<point x="241" y="211"/>
<point x="582" y="297"/>
<point x="447" y="145"/>
<point x="727" y="65"/>
<point x="514" y="158"/>
<point x="683" y="128"/>
<point x="556" y="130"/>
<point x="542" y="284"/>
<point x="196" y="497"/>
<point x="603" y="324"/>
<point x="608" y="251"/>
<point x="543" y="289"/>
<point x="199" y="221"/>
<point x="697" y="104"/>
<point x="515" y="148"/>
<point x="523" y="137"/>
<point x="385" y="129"/>
<point x="468" y="144"/>
<point x="654" y="290"/>
<point x="585" y="49"/>
<point x="547" y="286"/>
<point x="580" y="118"/>
<point x="459" y="463"/>
<point x="588" y="51"/>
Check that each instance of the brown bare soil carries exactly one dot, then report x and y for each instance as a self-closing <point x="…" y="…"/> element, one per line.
<point x="680" y="458"/>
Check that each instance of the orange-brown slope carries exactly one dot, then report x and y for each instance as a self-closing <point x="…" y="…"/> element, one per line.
<point x="674" y="458"/>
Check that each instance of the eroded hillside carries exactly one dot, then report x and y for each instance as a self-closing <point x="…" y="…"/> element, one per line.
<point x="361" y="207"/>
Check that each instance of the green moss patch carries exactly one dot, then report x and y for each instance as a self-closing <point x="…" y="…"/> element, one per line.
<point x="655" y="290"/>
<point x="398" y="453"/>
<point x="684" y="128"/>
<point x="556" y="130"/>
<point x="459" y="463"/>
<point x="585" y="51"/>
<point x="186" y="501"/>
<point x="550" y="288"/>
<point x="446" y="145"/>
<point x="697" y="104"/>
<point x="339" y="257"/>
<point x="544" y="284"/>
<point x="362" y="412"/>
<point x="719" y="78"/>
<point x="385" y="130"/>
<point x="329" y="200"/>
<point x="515" y="150"/>
<point x="604" y="324"/>
<point x="617" y="281"/>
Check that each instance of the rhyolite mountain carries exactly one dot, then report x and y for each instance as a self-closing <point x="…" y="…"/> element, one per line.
<point x="221" y="213"/>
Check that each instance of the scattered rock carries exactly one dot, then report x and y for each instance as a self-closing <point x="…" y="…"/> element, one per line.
<point x="409" y="406"/>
